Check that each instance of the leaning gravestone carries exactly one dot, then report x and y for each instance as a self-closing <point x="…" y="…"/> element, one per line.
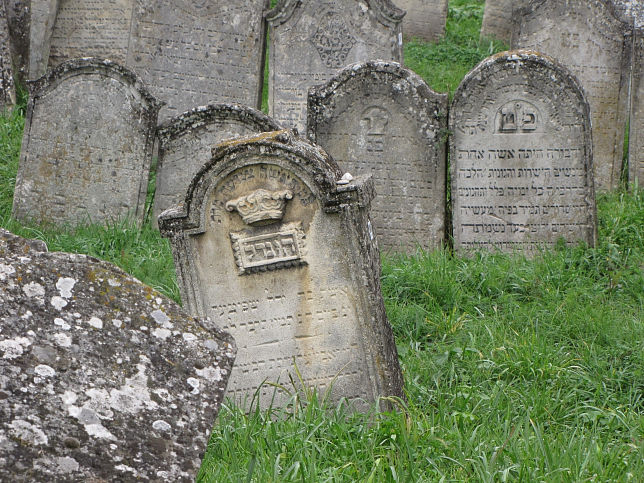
<point x="18" y="19"/>
<point x="7" y="88"/>
<point x="521" y="156"/>
<point x="43" y="18"/>
<point x="101" y="377"/>
<point x="274" y="246"/>
<point x="97" y="28"/>
<point x="425" y="19"/>
<point x="185" y="144"/>
<point x="382" y="119"/>
<point x="310" y="41"/>
<point x="87" y="146"/>
<point x="192" y="53"/>
<point x="587" y="37"/>
<point x="636" y="137"/>
<point x="499" y="17"/>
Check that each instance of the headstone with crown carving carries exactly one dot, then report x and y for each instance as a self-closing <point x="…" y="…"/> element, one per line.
<point x="310" y="41"/>
<point x="275" y="244"/>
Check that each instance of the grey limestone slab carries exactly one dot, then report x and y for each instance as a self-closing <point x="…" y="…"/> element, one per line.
<point x="87" y="146"/>
<point x="18" y="19"/>
<point x="186" y="142"/>
<point x="521" y="156"/>
<point x="378" y="118"/>
<point x="101" y="377"/>
<point x="587" y="37"/>
<point x="499" y="17"/>
<point x="7" y="87"/>
<point x="424" y="19"/>
<point x="636" y="137"/>
<point x="277" y="248"/>
<point x="41" y="26"/>
<point x="311" y="40"/>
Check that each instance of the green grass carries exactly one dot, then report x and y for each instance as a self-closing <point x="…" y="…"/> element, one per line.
<point x="515" y="369"/>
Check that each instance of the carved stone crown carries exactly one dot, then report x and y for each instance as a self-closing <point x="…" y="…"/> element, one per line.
<point x="261" y="207"/>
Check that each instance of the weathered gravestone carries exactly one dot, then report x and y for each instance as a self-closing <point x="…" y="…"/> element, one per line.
<point x="587" y="37"/>
<point x="521" y="156"/>
<point x="424" y="19"/>
<point x="310" y="41"/>
<point x="96" y="28"/>
<point x="636" y="137"/>
<point x="87" y="145"/>
<point x="193" y="53"/>
<point x="382" y="119"/>
<point x="499" y="18"/>
<point x="101" y="377"/>
<point x="7" y="88"/>
<point x="43" y="18"/>
<point x="186" y="142"/>
<point x="273" y="246"/>
<point x="631" y="11"/>
<point x="18" y="20"/>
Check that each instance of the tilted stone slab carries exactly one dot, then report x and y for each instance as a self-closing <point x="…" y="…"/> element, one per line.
<point x="18" y="20"/>
<point x="87" y="146"/>
<point x="499" y="18"/>
<point x="43" y="18"/>
<point x="281" y="253"/>
<point x="7" y="87"/>
<point x="382" y="119"/>
<point x="196" y="53"/>
<point x="101" y="377"/>
<point x="587" y="37"/>
<point x="186" y="142"/>
<point x="521" y="156"/>
<point x="310" y="41"/>
<point x="636" y="137"/>
<point x="95" y="28"/>
<point x="425" y="19"/>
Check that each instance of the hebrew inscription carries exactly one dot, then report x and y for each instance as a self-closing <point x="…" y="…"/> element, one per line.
<point x="521" y="157"/>
<point x="587" y="38"/>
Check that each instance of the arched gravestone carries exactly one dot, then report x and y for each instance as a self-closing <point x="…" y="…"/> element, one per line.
<point x="382" y="119"/>
<point x="424" y="19"/>
<point x="521" y="156"/>
<point x="87" y="146"/>
<point x="311" y="40"/>
<point x="587" y="37"/>
<point x="271" y="244"/>
<point x="186" y="142"/>
<point x="101" y="377"/>
<point x="192" y="53"/>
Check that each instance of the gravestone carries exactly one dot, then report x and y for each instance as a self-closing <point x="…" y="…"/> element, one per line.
<point x="425" y="19"/>
<point x="636" y="136"/>
<point x="195" y="53"/>
<point x="18" y="19"/>
<point x="499" y="17"/>
<point x="96" y="28"/>
<point x="631" y="11"/>
<point x="101" y="377"/>
<point x="587" y="37"/>
<point x="382" y="119"/>
<point x="43" y="18"/>
<point x="521" y="156"/>
<point x="277" y="248"/>
<point x="7" y="88"/>
<point x="310" y="41"/>
<point x="87" y="146"/>
<point x="185" y="144"/>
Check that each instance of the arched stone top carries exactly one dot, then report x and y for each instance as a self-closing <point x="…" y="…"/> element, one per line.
<point x="323" y="95"/>
<point x="91" y="65"/>
<point x="204" y="115"/>
<point x="306" y="160"/>
<point x="385" y="10"/>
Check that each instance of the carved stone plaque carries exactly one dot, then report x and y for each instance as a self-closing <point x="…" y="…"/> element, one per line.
<point x="521" y="156"/>
<point x="91" y="28"/>
<point x="382" y="119"/>
<point x="185" y="144"/>
<point x="269" y="245"/>
<point x="87" y="146"/>
<point x="310" y="41"/>
<point x="588" y="38"/>
<point x="192" y="53"/>
<point x="424" y="19"/>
